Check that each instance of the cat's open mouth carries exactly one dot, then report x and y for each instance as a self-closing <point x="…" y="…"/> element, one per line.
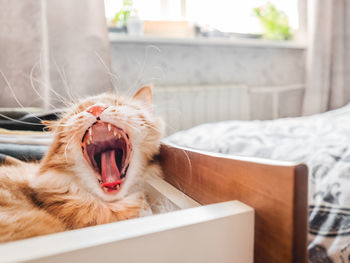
<point x="108" y="149"/>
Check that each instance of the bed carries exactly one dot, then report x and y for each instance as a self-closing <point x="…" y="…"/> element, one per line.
<point x="277" y="232"/>
<point x="321" y="141"/>
<point x="261" y="164"/>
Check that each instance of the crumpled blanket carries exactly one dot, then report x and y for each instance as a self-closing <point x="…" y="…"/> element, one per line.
<point x="321" y="141"/>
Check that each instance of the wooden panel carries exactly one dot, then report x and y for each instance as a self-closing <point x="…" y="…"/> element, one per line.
<point x="202" y="234"/>
<point x="276" y="190"/>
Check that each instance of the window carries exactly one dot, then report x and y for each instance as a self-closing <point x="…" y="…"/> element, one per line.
<point x="223" y="15"/>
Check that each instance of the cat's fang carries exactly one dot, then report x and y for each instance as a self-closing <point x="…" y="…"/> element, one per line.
<point x="109" y="127"/>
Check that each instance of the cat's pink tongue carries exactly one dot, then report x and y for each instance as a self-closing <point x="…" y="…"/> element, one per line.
<point x="109" y="169"/>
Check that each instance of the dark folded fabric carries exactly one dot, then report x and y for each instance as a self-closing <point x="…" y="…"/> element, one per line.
<point x="22" y="152"/>
<point x="30" y="121"/>
<point x="18" y="112"/>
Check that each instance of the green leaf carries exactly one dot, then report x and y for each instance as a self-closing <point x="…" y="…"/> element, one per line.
<point x="274" y="22"/>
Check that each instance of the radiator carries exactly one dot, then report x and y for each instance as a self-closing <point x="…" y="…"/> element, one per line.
<point x="183" y="107"/>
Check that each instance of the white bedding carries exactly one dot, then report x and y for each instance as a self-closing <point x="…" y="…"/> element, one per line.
<point x="321" y="141"/>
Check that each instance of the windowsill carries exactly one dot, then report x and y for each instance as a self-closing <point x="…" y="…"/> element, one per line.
<point x="244" y="42"/>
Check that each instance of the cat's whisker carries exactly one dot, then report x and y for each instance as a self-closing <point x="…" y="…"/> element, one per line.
<point x="18" y="121"/>
<point x="40" y="82"/>
<point x="66" y="104"/>
<point x="10" y="88"/>
<point x="141" y="122"/>
<point x="112" y="75"/>
<point x="135" y="127"/>
<point x="64" y="76"/>
<point x="154" y="128"/>
<point x="61" y="125"/>
<point x="13" y="93"/>
<point x="136" y="117"/>
<point x="160" y="69"/>
<point x="33" y="79"/>
<point x="167" y="125"/>
<point x="69" y="90"/>
<point x="59" y="98"/>
<point x="55" y="132"/>
<point x="47" y="85"/>
<point x="65" y="83"/>
<point x="170" y="109"/>
<point x="189" y="163"/>
<point x="138" y="79"/>
<point x="57" y="124"/>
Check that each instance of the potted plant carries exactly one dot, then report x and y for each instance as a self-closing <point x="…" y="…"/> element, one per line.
<point x="126" y="19"/>
<point x="274" y="22"/>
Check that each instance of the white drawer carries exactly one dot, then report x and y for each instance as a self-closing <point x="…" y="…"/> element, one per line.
<point x="222" y="232"/>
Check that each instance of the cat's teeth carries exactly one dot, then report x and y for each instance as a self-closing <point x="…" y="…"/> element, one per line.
<point x="115" y="133"/>
<point x="118" y="135"/>
<point x="90" y="131"/>
<point x="109" y="127"/>
<point x="88" y="142"/>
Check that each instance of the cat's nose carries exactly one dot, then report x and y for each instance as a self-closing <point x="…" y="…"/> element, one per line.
<point x="96" y="110"/>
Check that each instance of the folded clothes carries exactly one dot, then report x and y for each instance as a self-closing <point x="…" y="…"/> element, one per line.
<point x="22" y="134"/>
<point x="16" y="113"/>
<point x="29" y="140"/>
<point x="23" y="152"/>
<point x="30" y="121"/>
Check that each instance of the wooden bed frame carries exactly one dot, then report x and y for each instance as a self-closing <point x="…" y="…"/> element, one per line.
<point x="276" y="190"/>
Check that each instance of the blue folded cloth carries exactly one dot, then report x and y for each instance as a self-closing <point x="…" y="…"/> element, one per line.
<point x="23" y="152"/>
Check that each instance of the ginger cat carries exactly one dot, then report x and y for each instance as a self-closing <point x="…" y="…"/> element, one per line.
<point x="92" y="174"/>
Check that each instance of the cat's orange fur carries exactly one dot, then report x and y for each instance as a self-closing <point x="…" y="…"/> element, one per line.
<point x="61" y="192"/>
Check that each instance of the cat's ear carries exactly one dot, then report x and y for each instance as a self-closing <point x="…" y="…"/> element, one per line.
<point x="145" y="95"/>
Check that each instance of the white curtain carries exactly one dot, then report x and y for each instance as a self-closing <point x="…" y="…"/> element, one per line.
<point x="328" y="55"/>
<point x="58" y="46"/>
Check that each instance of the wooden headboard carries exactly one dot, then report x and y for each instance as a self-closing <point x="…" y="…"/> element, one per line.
<point x="276" y="190"/>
